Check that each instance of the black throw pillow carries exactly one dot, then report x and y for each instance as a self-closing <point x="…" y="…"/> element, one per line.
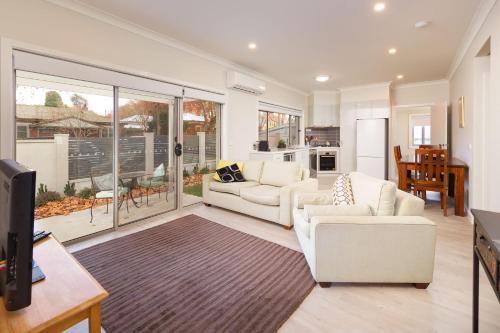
<point x="230" y="174"/>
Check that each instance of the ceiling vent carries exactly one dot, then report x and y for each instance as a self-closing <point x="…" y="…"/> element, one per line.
<point x="245" y="83"/>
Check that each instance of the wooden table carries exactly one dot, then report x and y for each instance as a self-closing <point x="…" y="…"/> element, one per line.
<point x="68" y="295"/>
<point x="457" y="168"/>
<point x="486" y="252"/>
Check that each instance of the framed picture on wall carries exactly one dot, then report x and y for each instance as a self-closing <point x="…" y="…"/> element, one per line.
<point x="461" y="110"/>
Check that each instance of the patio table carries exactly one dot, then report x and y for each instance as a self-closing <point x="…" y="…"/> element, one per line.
<point x="132" y="182"/>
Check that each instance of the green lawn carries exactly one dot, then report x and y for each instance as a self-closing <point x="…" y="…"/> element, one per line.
<point x="194" y="190"/>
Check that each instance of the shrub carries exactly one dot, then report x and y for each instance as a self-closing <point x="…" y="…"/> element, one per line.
<point x="185" y="173"/>
<point x="204" y="170"/>
<point x="195" y="169"/>
<point x="44" y="197"/>
<point x="69" y="189"/>
<point x="85" y="193"/>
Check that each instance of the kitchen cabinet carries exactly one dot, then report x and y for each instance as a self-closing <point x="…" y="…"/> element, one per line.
<point x="373" y="109"/>
<point x="324" y="109"/>
<point x="299" y="155"/>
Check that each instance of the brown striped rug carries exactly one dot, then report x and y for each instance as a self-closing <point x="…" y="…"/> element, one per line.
<point x="194" y="275"/>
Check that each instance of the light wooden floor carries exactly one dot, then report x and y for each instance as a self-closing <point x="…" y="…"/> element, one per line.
<point x="446" y="306"/>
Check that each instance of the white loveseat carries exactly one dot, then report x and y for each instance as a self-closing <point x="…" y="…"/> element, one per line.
<point x="267" y="192"/>
<point x="383" y="238"/>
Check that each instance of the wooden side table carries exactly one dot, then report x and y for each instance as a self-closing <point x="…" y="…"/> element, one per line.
<point x="486" y="252"/>
<point x="68" y="295"/>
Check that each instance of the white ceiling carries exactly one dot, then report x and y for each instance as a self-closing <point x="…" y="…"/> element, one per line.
<point x="299" y="39"/>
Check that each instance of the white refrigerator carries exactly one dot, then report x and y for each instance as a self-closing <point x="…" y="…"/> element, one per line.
<point x="371" y="147"/>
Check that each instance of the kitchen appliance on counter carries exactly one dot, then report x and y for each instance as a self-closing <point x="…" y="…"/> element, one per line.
<point x="324" y="160"/>
<point x="371" y="147"/>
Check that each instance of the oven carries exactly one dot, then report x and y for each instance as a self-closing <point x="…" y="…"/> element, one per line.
<point x="327" y="161"/>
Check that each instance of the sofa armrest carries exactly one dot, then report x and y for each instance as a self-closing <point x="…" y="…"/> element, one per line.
<point x="408" y="205"/>
<point x="207" y="179"/>
<point x="286" y="197"/>
<point x="312" y="198"/>
<point x="391" y="249"/>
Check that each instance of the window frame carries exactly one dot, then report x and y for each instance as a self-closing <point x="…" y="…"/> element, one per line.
<point x="411" y="126"/>
<point x="297" y="117"/>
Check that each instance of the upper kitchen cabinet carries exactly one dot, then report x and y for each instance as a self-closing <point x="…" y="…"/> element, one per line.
<point x="373" y="109"/>
<point x="324" y="109"/>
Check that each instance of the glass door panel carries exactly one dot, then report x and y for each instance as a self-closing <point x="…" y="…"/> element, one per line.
<point x="146" y="182"/>
<point x="64" y="131"/>
<point x="201" y="132"/>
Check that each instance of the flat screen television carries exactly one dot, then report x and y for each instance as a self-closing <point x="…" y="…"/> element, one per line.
<point x="17" y="215"/>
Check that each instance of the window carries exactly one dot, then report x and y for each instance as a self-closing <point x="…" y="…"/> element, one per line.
<point x="420" y="129"/>
<point x="275" y="127"/>
<point x="22" y="131"/>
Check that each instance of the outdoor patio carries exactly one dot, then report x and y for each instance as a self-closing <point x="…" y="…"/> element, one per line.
<point x="77" y="224"/>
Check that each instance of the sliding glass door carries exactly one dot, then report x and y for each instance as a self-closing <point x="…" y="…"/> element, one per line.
<point x="103" y="143"/>
<point x="201" y="133"/>
<point x="147" y="168"/>
<point x="64" y="131"/>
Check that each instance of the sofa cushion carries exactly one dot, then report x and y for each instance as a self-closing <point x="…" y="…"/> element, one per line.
<point x="252" y="170"/>
<point x="232" y="188"/>
<point x="379" y="194"/>
<point x="311" y="211"/>
<point x="342" y="191"/>
<point x="230" y="174"/>
<point x="224" y="163"/>
<point x="300" y="223"/>
<point x="280" y="173"/>
<point x="262" y="194"/>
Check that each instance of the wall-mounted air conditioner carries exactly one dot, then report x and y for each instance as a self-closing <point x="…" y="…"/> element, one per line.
<point x="245" y="83"/>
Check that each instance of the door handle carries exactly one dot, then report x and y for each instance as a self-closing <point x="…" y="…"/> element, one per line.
<point x="178" y="149"/>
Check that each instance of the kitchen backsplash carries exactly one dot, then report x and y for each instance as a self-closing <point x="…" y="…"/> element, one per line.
<point x="323" y="134"/>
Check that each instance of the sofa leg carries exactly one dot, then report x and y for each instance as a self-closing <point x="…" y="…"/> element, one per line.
<point x="208" y="205"/>
<point x="421" y="285"/>
<point x="325" y="284"/>
<point x="288" y="227"/>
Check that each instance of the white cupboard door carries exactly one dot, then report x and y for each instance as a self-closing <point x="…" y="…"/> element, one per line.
<point x="380" y="109"/>
<point x="364" y="110"/>
<point x="439" y="124"/>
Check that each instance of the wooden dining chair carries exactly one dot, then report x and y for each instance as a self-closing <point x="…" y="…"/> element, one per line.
<point x="404" y="177"/>
<point x="431" y="174"/>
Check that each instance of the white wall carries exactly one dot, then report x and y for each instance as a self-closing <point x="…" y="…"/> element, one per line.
<point x="421" y="93"/>
<point x="51" y="27"/>
<point x="462" y="84"/>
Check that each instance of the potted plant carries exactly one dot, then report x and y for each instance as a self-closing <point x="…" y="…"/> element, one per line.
<point x="281" y="143"/>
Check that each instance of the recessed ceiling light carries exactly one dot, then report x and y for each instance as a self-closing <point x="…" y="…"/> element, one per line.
<point x="421" y="24"/>
<point x="379" y="7"/>
<point x="392" y="51"/>
<point x="252" y="46"/>
<point x="400" y="76"/>
<point x="322" y="78"/>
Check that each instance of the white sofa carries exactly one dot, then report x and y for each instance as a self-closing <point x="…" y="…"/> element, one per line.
<point x="381" y="239"/>
<point x="267" y="192"/>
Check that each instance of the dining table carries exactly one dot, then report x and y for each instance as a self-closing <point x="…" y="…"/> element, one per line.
<point x="457" y="170"/>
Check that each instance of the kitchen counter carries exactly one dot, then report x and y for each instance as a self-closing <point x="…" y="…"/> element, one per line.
<point x="299" y="155"/>
<point x="280" y="150"/>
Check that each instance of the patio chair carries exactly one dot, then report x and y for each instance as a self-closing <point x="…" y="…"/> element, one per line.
<point x="158" y="179"/>
<point x="102" y="188"/>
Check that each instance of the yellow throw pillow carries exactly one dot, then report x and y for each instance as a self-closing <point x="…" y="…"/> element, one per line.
<point x="225" y="163"/>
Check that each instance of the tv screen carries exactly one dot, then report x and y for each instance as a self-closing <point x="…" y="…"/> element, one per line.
<point x="17" y="214"/>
